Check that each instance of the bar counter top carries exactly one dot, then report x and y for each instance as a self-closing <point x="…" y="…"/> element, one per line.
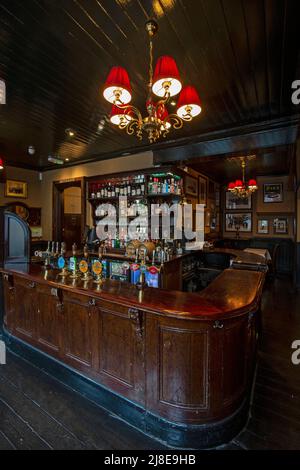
<point x="232" y="293"/>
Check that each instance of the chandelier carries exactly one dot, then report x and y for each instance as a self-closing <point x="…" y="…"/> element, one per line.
<point x="164" y="83"/>
<point x="240" y="188"/>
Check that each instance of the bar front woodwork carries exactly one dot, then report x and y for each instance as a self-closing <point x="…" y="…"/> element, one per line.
<point x="187" y="358"/>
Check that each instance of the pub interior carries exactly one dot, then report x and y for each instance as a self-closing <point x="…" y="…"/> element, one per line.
<point x="149" y="224"/>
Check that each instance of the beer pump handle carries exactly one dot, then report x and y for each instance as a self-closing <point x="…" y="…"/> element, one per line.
<point x="74" y="249"/>
<point x="85" y="251"/>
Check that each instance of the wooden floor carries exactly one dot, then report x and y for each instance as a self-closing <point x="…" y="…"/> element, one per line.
<point x="37" y="412"/>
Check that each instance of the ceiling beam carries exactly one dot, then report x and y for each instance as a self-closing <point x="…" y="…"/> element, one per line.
<point x="233" y="141"/>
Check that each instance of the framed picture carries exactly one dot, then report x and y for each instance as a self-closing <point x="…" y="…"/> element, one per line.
<point x="241" y="222"/>
<point x="273" y="192"/>
<point x="280" y="226"/>
<point x="234" y="202"/>
<point x="262" y="226"/>
<point x="191" y="185"/>
<point x="16" y="189"/>
<point x="19" y="208"/>
<point x="202" y="190"/>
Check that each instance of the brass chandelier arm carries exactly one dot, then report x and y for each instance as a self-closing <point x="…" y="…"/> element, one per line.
<point x="174" y="120"/>
<point x="132" y="108"/>
<point x="133" y="127"/>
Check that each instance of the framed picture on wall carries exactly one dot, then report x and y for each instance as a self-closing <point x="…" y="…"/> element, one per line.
<point x="280" y="226"/>
<point x="202" y="190"/>
<point x="241" y="222"/>
<point x="263" y="226"/>
<point x="273" y="192"/>
<point x="16" y="189"/>
<point x="191" y="185"/>
<point x="234" y="202"/>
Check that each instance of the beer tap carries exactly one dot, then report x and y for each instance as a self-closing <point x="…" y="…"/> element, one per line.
<point x="84" y="265"/>
<point x="143" y="268"/>
<point x="56" y="254"/>
<point x="47" y="263"/>
<point x="97" y="268"/>
<point x="61" y="262"/>
<point x="73" y="263"/>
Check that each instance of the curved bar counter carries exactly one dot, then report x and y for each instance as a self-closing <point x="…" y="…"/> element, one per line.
<point x="178" y="366"/>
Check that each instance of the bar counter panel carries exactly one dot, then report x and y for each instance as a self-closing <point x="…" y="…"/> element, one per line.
<point x="184" y="358"/>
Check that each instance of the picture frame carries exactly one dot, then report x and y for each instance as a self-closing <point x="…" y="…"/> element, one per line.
<point x="241" y="222"/>
<point x="233" y="202"/>
<point x="280" y="225"/>
<point x="16" y="189"/>
<point x="202" y="189"/>
<point x="191" y="185"/>
<point x="263" y="226"/>
<point x="272" y="192"/>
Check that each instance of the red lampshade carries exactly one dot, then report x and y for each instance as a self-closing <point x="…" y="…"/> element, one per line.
<point x="188" y="98"/>
<point x="118" y="115"/>
<point x="252" y="183"/>
<point x="117" y="80"/>
<point x="231" y="186"/>
<point x="1" y="164"/>
<point x="238" y="184"/>
<point x="166" y="71"/>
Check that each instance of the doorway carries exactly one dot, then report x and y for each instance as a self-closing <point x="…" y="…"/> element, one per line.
<point x="69" y="211"/>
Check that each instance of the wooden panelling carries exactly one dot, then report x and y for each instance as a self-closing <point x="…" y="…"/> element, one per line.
<point x="49" y="321"/>
<point x="233" y="365"/>
<point x="26" y="307"/>
<point x="78" y="331"/>
<point x="187" y="366"/>
<point x="121" y="360"/>
<point x="9" y="302"/>
<point x="187" y="383"/>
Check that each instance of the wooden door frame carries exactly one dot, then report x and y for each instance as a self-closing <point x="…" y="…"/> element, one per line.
<point x="58" y="188"/>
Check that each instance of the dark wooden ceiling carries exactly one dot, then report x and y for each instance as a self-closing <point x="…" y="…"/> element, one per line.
<point x="263" y="162"/>
<point x="242" y="55"/>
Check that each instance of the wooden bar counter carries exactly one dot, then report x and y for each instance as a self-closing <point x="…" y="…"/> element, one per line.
<point x="178" y="366"/>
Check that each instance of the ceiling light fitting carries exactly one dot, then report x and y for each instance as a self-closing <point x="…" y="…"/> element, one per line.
<point x="240" y="188"/>
<point x="164" y="83"/>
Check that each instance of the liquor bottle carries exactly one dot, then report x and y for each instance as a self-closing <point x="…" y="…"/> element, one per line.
<point x="138" y="187"/>
<point x="128" y="188"/>
<point x="105" y="191"/>
<point x="98" y="191"/>
<point x="117" y="190"/>
<point x="92" y="194"/>
<point x="154" y="186"/>
<point x="158" y="190"/>
<point x="172" y="188"/>
<point x="133" y="190"/>
<point x="150" y="185"/>
<point x="143" y="185"/>
<point x="113" y="193"/>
